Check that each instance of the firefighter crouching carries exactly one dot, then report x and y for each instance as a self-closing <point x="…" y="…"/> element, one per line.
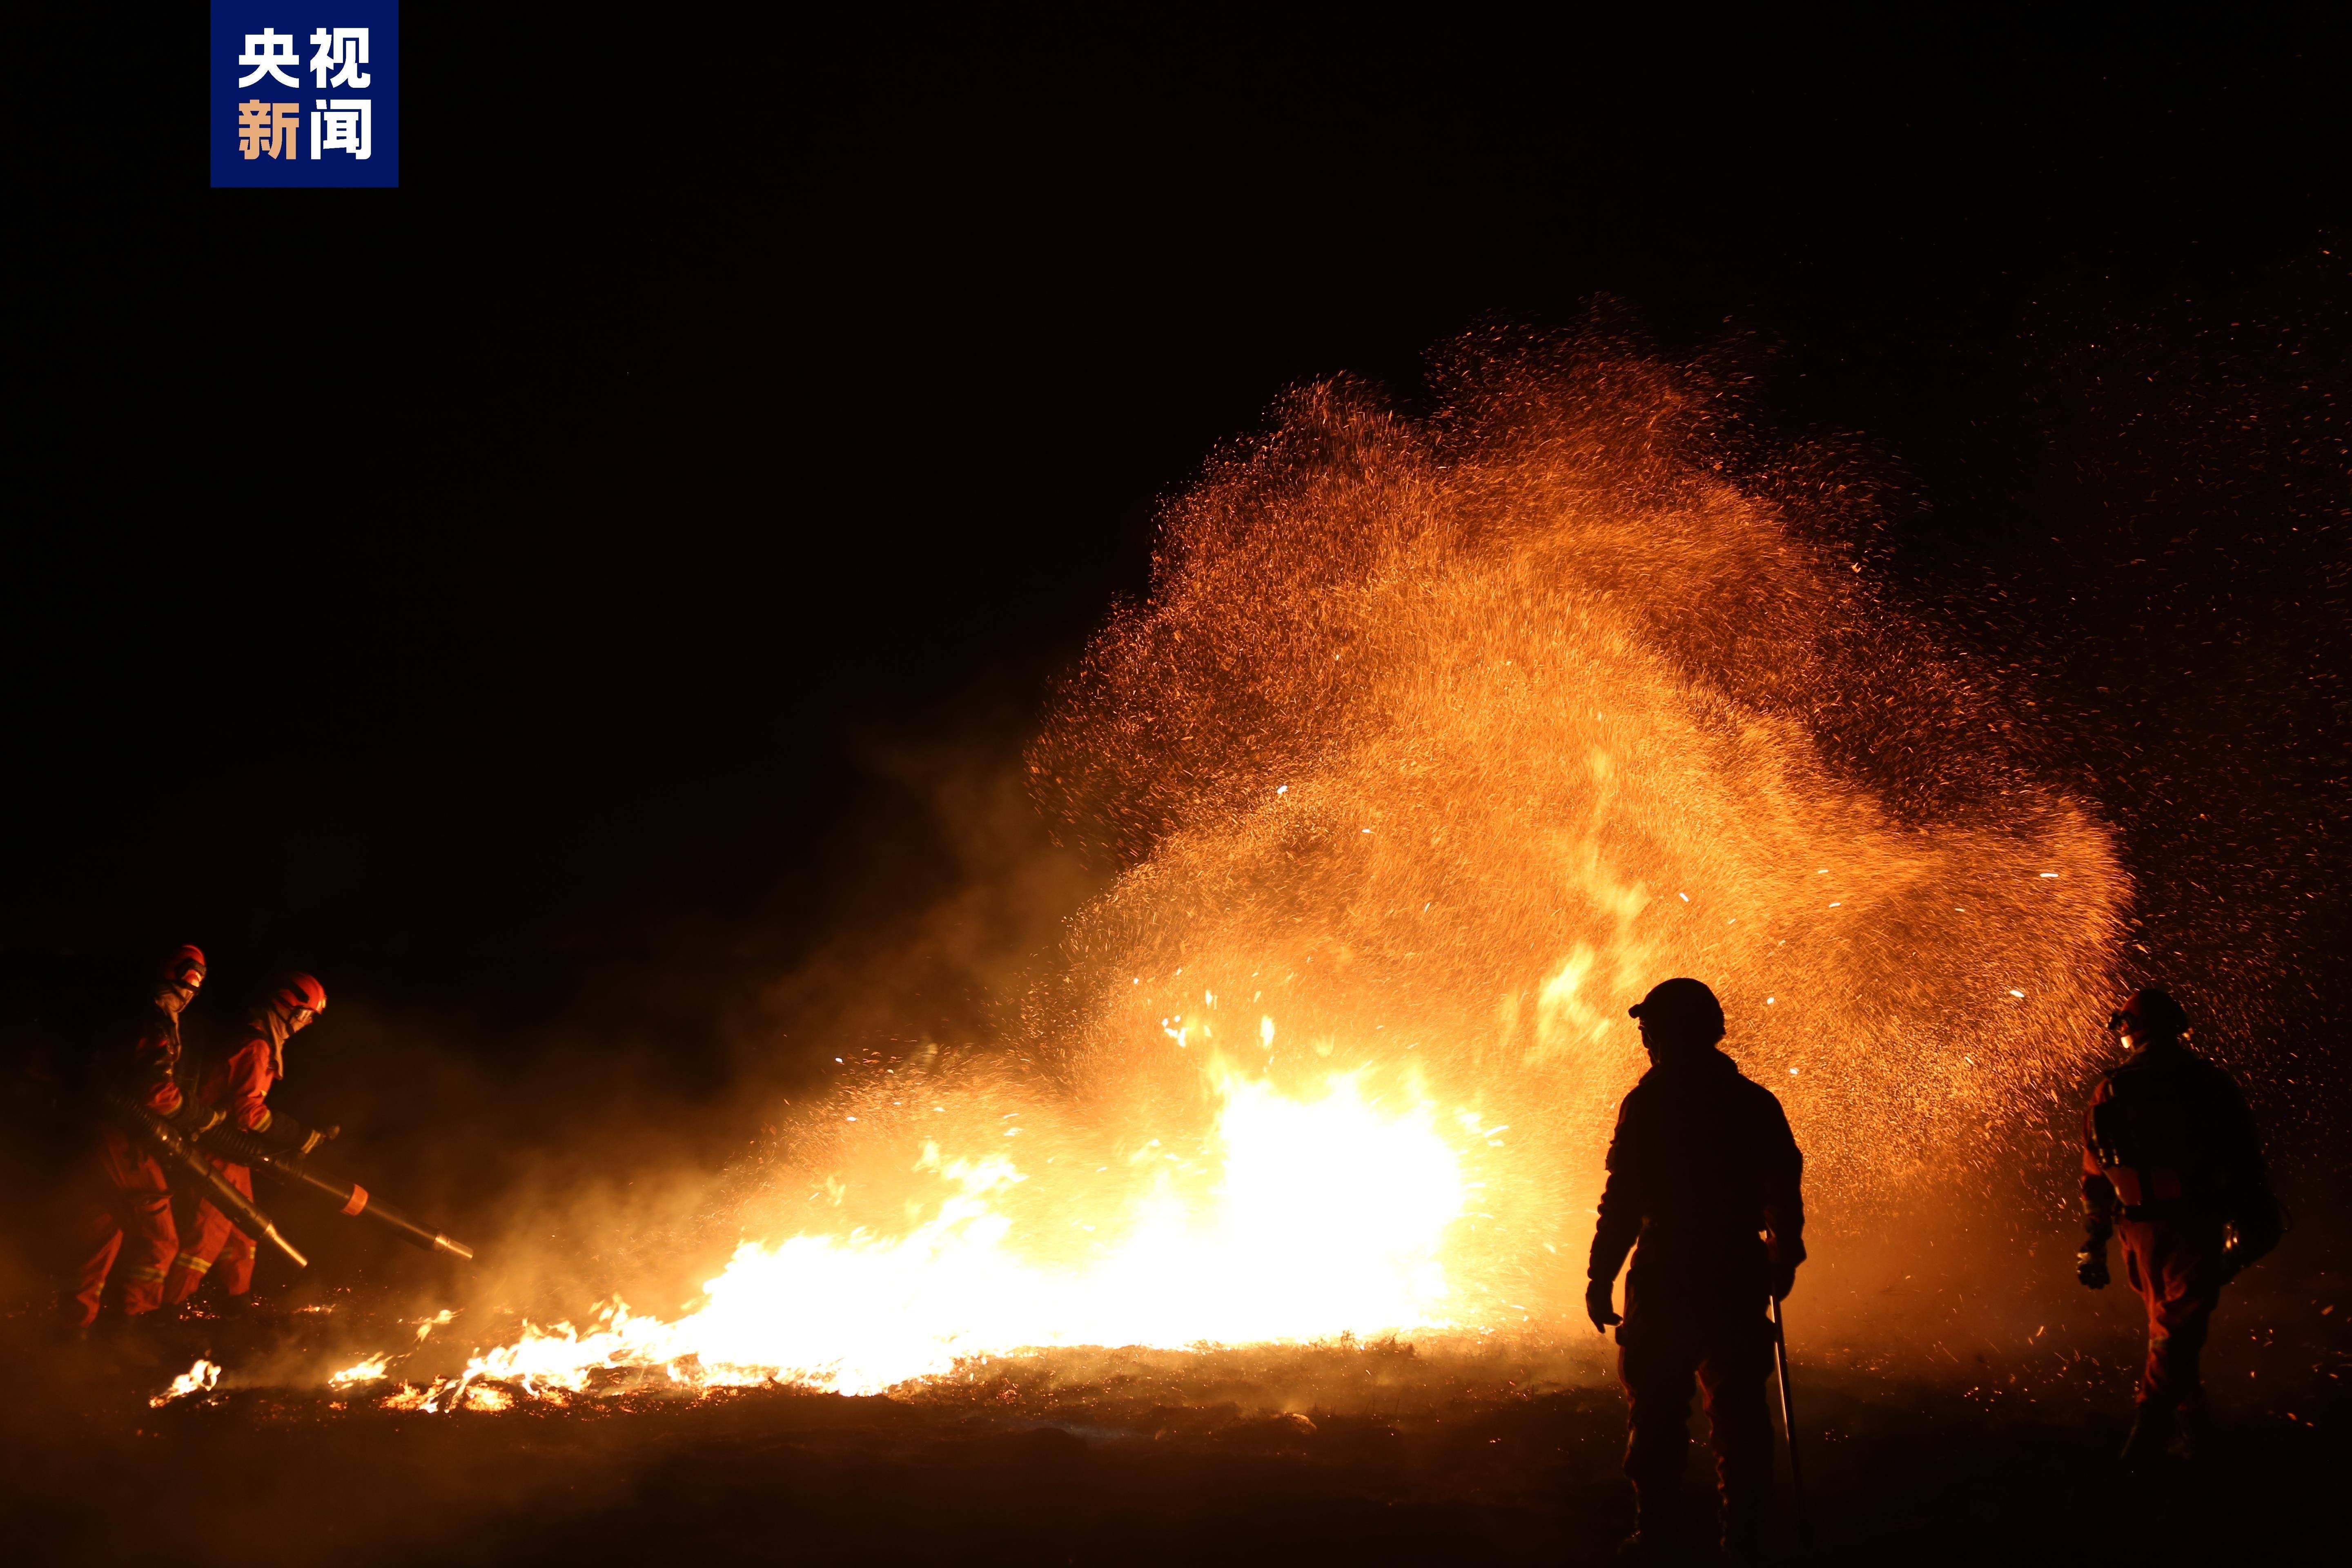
<point x="2172" y="1163"/>
<point x="1702" y="1161"/>
<point x="236" y="1083"/>
<point x="126" y="1210"/>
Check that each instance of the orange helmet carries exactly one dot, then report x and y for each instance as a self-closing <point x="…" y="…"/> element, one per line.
<point x="295" y="991"/>
<point x="183" y="967"/>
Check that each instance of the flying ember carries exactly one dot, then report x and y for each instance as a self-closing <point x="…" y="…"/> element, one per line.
<point x="1436" y="743"/>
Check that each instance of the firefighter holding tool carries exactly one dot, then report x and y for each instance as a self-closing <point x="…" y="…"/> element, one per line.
<point x="126" y="1210"/>
<point x="236" y="1084"/>
<point x="1704" y="1191"/>
<point x="2172" y="1164"/>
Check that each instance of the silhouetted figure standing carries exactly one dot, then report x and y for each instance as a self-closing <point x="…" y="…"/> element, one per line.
<point x="2172" y="1163"/>
<point x="1703" y="1190"/>
<point x="125" y="1205"/>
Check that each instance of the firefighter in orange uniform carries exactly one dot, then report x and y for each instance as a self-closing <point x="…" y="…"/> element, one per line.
<point x="2172" y="1163"/>
<point x="134" y="1059"/>
<point x="236" y="1084"/>
<point x="1705" y="1191"/>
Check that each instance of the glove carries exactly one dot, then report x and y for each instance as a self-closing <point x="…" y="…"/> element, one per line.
<point x="194" y="1119"/>
<point x="2090" y="1267"/>
<point x="2257" y="1227"/>
<point x="1784" y="1280"/>
<point x="1597" y="1306"/>
<point x="292" y="1139"/>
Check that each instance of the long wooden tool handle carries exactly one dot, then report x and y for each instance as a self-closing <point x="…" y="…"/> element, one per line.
<point x="1788" y="1427"/>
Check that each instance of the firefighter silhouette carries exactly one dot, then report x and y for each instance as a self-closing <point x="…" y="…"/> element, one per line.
<point x="2171" y="1163"/>
<point x="1703" y="1190"/>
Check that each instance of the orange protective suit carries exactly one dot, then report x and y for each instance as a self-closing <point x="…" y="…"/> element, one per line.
<point x="238" y="1085"/>
<point x="126" y="1212"/>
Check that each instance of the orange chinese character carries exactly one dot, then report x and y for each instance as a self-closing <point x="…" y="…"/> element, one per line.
<point x="253" y="127"/>
<point x="272" y="128"/>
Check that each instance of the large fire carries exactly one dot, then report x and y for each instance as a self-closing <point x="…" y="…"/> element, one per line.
<point x="1320" y="1218"/>
<point x="1435" y="744"/>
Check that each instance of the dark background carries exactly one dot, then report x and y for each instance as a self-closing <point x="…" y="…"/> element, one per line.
<point x="544" y="600"/>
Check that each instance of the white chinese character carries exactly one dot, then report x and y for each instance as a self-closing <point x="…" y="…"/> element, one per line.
<point x="343" y="51"/>
<point x="347" y="125"/>
<point x="264" y="51"/>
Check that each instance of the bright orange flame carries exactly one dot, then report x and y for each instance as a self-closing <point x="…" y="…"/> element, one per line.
<point x="198" y="1379"/>
<point x="1326" y="1216"/>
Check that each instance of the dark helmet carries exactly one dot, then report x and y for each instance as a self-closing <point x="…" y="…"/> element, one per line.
<point x="2150" y="1013"/>
<point x="1682" y="1010"/>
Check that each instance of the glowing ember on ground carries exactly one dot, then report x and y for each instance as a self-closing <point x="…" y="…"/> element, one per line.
<point x="198" y="1379"/>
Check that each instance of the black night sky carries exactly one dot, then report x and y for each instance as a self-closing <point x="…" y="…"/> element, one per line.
<point x="507" y="596"/>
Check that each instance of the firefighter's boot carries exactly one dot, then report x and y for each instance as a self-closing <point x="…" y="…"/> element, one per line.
<point x="129" y="1342"/>
<point x="1743" y="1541"/>
<point x="2151" y="1434"/>
<point x="2197" y="1439"/>
<point x="1658" y="1526"/>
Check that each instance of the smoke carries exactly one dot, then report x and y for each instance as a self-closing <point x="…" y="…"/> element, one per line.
<point x="1436" y="742"/>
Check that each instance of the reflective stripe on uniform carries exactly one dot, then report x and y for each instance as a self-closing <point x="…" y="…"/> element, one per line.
<point x="262" y="1125"/>
<point x="150" y="1274"/>
<point x="193" y="1264"/>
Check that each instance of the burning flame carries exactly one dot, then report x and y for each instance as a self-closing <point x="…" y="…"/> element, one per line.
<point x="1319" y="1217"/>
<point x="198" y="1379"/>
